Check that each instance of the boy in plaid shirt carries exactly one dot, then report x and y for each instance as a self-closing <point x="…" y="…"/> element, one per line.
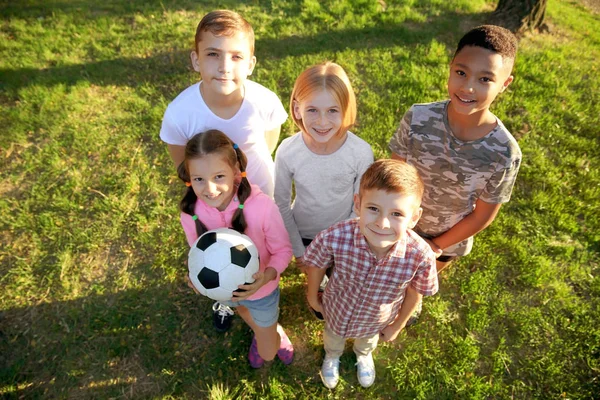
<point x="381" y="268"/>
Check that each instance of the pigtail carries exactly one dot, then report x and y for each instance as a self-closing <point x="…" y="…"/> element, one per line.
<point x="238" y="221"/>
<point x="188" y="202"/>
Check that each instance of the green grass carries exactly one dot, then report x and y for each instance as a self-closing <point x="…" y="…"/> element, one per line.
<point x="92" y="298"/>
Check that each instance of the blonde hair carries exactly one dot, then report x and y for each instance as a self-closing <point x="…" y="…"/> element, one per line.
<point x="393" y="176"/>
<point x="224" y="23"/>
<point x="332" y="78"/>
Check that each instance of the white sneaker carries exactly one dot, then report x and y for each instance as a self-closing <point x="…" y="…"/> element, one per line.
<point x="365" y="370"/>
<point x="330" y="372"/>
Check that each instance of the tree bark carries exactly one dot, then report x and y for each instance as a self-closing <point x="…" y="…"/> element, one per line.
<point x="520" y="16"/>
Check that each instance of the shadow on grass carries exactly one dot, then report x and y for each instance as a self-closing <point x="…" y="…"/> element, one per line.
<point x="134" y="343"/>
<point x="162" y="69"/>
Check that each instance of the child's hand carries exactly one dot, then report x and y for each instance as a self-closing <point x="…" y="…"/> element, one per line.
<point x="389" y="333"/>
<point x="260" y="279"/>
<point x="436" y="249"/>
<point x="300" y="264"/>
<point x="189" y="283"/>
<point x="316" y="304"/>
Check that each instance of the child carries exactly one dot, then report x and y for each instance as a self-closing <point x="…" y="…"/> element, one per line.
<point x="465" y="155"/>
<point x="250" y="114"/>
<point x="324" y="161"/>
<point x="381" y="268"/>
<point x="219" y="196"/>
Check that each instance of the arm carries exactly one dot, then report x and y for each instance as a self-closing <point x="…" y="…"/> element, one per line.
<point x="283" y="199"/>
<point x="277" y="240"/>
<point x="277" y="244"/>
<point x="315" y="276"/>
<point x="177" y="154"/>
<point x="272" y="137"/>
<point x="481" y="217"/>
<point x="411" y="299"/>
<point x="399" y="143"/>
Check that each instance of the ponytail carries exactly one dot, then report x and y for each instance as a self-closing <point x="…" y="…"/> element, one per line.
<point x="238" y="222"/>
<point x="188" y="202"/>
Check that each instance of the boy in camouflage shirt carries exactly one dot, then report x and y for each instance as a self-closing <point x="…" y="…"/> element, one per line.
<point x="466" y="157"/>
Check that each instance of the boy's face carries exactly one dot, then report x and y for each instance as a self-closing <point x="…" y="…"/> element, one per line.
<point x="385" y="217"/>
<point x="224" y="62"/>
<point x="477" y="76"/>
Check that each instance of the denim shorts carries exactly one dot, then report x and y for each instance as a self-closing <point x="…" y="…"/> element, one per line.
<point x="264" y="312"/>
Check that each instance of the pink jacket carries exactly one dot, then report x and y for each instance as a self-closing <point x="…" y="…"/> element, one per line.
<point x="265" y="228"/>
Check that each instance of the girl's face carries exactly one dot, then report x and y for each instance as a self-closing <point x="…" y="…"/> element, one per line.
<point x="321" y="116"/>
<point x="213" y="180"/>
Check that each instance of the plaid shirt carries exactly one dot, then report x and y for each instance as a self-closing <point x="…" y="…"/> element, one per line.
<point x="364" y="295"/>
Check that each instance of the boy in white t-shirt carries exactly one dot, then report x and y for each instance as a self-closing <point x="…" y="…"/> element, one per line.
<point x="250" y="114"/>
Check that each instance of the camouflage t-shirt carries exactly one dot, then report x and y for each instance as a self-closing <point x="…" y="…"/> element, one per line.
<point x="456" y="173"/>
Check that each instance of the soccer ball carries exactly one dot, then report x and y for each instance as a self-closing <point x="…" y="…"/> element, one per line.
<point x="220" y="260"/>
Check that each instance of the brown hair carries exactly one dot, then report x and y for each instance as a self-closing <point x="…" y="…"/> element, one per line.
<point x="331" y="77"/>
<point x="393" y="176"/>
<point x="495" y="38"/>
<point x="210" y="142"/>
<point x="224" y="23"/>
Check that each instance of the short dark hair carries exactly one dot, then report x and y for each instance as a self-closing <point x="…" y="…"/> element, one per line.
<point x="495" y="38"/>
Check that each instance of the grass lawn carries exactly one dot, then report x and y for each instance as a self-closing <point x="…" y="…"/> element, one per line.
<point x="93" y="302"/>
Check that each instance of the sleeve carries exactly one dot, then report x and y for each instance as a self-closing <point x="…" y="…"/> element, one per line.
<point x="319" y="253"/>
<point x="189" y="227"/>
<point x="170" y="132"/>
<point x="277" y="115"/>
<point x="283" y="199"/>
<point x="399" y="140"/>
<point x="362" y="164"/>
<point x="500" y="185"/>
<point x="425" y="280"/>
<point x="276" y="237"/>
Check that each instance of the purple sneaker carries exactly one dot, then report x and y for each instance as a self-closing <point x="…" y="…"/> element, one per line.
<point x="255" y="359"/>
<point x="286" y="350"/>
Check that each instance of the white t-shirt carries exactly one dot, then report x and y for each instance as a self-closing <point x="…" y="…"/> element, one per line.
<point x="324" y="185"/>
<point x="261" y="111"/>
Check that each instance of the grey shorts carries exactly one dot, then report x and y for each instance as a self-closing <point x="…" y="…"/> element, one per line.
<point x="264" y="312"/>
<point x="444" y="257"/>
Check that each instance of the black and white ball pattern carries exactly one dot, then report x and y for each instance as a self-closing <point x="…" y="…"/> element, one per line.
<point x="220" y="260"/>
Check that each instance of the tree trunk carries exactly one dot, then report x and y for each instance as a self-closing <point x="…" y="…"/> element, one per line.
<point x="520" y="15"/>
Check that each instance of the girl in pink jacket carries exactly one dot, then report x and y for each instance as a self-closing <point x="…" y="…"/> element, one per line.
<point x="220" y="196"/>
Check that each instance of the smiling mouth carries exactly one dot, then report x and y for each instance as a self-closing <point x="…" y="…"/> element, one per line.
<point x="212" y="197"/>
<point x="379" y="233"/>
<point x="322" y="132"/>
<point x="465" y="101"/>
